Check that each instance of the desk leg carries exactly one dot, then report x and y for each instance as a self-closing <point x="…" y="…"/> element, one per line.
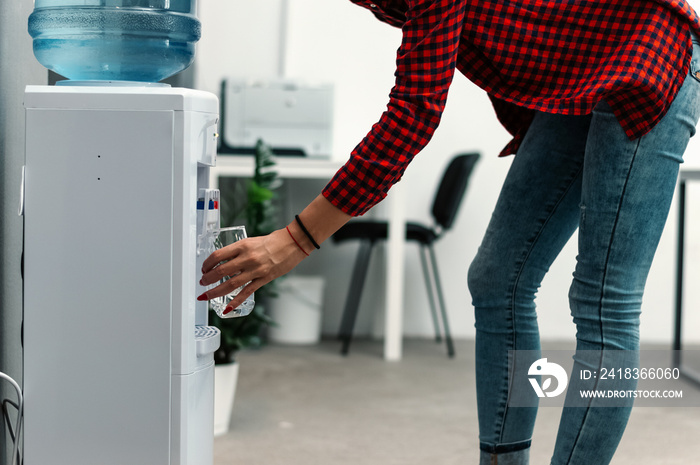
<point x="395" y="259"/>
<point x="680" y="246"/>
<point x="687" y="373"/>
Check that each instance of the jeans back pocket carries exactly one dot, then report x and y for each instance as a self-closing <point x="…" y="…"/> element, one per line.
<point x="695" y="61"/>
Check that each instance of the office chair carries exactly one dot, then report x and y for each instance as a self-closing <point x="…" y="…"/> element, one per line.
<point x="445" y="206"/>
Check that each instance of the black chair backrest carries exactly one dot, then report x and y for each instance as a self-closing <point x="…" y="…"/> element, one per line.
<point x="452" y="188"/>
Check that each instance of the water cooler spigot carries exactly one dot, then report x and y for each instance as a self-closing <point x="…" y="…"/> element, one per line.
<point x="208" y="224"/>
<point x="208" y="221"/>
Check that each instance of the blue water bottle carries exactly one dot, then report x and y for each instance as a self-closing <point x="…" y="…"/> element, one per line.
<point x="115" y="40"/>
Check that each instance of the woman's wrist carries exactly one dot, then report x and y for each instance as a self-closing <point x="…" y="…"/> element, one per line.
<point x="320" y="219"/>
<point x="296" y="242"/>
<point x="306" y="232"/>
<point x="316" y="223"/>
<point x="297" y="236"/>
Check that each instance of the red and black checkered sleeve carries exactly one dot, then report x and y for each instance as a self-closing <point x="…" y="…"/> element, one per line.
<point x="425" y="66"/>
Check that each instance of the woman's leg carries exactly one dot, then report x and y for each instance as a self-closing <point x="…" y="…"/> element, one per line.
<point x="627" y="190"/>
<point x="536" y="213"/>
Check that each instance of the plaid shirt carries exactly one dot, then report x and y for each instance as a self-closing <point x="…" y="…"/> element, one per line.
<point x="557" y="56"/>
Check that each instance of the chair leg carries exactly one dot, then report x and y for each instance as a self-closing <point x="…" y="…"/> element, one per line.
<point x="429" y="288"/>
<point x="352" y="303"/>
<point x="441" y="300"/>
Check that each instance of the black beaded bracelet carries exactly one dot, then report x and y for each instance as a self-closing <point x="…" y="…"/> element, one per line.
<point x="303" y="228"/>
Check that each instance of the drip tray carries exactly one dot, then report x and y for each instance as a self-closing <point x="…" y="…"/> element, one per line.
<point x="207" y="339"/>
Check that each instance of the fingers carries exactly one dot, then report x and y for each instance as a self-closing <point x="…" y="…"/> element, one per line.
<point x="229" y="252"/>
<point x="244" y="294"/>
<point x="251" y="263"/>
<point x="229" y="286"/>
<point x="228" y="269"/>
<point x="237" y="263"/>
<point x="227" y="261"/>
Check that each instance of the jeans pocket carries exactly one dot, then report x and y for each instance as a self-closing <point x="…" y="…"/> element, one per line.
<point x="695" y="68"/>
<point x="695" y="61"/>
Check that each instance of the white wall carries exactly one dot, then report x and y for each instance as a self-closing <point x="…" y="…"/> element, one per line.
<point x="337" y="41"/>
<point x="238" y="39"/>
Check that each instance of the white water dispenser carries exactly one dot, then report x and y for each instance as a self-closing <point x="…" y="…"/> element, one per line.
<point x="118" y="357"/>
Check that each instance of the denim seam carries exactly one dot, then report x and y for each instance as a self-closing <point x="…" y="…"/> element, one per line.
<point x="602" y="292"/>
<point x="515" y="287"/>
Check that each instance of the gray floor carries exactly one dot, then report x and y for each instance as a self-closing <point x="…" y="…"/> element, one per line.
<point x="309" y="405"/>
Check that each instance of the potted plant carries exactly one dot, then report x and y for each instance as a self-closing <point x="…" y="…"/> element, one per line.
<point x="256" y="206"/>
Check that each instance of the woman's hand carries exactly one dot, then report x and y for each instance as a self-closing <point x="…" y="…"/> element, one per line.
<point x="258" y="260"/>
<point x="255" y="261"/>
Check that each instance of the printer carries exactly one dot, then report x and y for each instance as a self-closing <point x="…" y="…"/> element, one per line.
<point x="291" y="116"/>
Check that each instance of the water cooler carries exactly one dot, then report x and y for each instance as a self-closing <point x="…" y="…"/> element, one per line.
<point x="118" y="357"/>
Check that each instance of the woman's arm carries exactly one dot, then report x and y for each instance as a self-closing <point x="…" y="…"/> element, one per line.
<point x="425" y="65"/>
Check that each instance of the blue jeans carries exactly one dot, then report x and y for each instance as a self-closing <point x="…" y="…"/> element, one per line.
<point x="573" y="172"/>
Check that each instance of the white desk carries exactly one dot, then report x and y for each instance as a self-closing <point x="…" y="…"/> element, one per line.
<point x="309" y="168"/>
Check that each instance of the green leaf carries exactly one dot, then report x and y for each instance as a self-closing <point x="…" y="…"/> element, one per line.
<point x="258" y="194"/>
<point x="267" y="179"/>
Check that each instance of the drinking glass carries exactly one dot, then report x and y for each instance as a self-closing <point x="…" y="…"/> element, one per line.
<point x="224" y="237"/>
